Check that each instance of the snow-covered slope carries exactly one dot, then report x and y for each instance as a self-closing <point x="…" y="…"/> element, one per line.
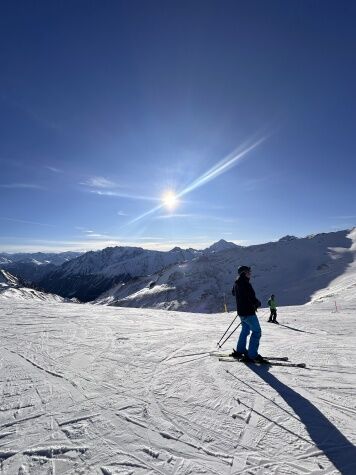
<point x="293" y="269"/>
<point x="102" y="390"/>
<point x="97" y="271"/>
<point x="342" y="288"/>
<point x="12" y="288"/>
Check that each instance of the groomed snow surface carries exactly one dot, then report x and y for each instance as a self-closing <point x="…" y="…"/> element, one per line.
<point x="102" y="390"/>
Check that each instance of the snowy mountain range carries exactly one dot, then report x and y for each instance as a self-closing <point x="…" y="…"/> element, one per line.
<point x="12" y="288"/>
<point x="34" y="266"/>
<point x="91" y="274"/>
<point x="296" y="270"/>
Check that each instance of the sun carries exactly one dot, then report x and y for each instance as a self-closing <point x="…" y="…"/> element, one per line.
<point x="170" y="200"/>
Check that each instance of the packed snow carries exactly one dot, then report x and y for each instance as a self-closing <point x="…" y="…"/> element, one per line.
<point x="107" y="390"/>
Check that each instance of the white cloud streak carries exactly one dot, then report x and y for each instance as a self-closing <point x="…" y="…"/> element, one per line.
<point x="29" y="186"/>
<point x="196" y="216"/>
<point x="122" y="194"/>
<point x="222" y="166"/>
<point x="99" y="182"/>
<point x="54" y="170"/>
<point x="14" y="220"/>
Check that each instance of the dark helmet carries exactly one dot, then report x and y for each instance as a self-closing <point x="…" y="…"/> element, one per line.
<point x="272" y="296"/>
<point x="243" y="269"/>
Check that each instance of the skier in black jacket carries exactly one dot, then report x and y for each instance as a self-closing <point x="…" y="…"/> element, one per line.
<point x="247" y="304"/>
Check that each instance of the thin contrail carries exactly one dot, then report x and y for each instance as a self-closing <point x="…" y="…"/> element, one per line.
<point x="221" y="167"/>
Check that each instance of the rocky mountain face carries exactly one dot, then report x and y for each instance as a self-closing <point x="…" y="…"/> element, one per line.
<point x="11" y="287"/>
<point x="95" y="272"/>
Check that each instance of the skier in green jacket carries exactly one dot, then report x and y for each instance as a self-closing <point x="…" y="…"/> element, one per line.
<point x="273" y="309"/>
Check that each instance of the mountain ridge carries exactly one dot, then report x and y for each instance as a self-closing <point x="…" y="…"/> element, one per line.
<point x="294" y="268"/>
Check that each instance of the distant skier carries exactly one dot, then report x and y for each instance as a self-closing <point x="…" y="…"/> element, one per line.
<point x="273" y="309"/>
<point x="247" y="304"/>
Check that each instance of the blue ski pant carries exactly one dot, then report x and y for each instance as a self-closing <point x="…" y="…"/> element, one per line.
<point x="249" y="324"/>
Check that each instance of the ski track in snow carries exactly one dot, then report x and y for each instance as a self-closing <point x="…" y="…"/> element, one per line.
<point x="99" y="390"/>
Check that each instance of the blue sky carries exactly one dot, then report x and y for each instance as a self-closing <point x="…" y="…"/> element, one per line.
<point x="245" y="110"/>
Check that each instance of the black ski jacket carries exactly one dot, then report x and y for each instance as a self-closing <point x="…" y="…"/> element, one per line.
<point x="246" y="301"/>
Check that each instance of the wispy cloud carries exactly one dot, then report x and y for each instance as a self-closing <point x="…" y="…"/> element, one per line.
<point x="54" y="169"/>
<point x="98" y="236"/>
<point x="196" y="216"/>
<point x="89" y="233"/>
<point x="176" y="216"/>
<point x="122" y="213"/>
<point x="14" y="220"/>
<point x="30" y="186"/>
<point x="99" y="182"/>
<point x="123" y="194"/>
<point x="149" y="238"/>
<point x="103" y="187"/>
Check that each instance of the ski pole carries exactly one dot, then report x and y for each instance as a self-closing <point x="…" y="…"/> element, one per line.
<point x="226" y="331"/>
<point x="233" y="331"/>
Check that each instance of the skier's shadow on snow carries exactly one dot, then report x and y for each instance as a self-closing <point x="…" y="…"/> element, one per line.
<point x="295" y="329"/>
<point x="339" y="450"/>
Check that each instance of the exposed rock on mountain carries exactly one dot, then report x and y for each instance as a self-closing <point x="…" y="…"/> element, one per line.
<point x="12" y="287"/>
<point x="91" y="274"/>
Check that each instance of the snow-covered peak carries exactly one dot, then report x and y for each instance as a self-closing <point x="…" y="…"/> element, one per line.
<point x="221" y="245"/>
<point x="121" y="260"/>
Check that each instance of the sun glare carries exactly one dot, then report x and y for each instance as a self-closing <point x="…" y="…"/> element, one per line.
<point x="170" y="200"/>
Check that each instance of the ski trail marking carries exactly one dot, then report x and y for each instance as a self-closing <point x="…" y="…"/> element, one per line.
<point x="78" y="419"/>
<point x="260" y="394"/>
<point x="276" y="423"/>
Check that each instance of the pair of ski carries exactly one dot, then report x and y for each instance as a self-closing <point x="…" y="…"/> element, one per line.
<point x="269" y="360"/>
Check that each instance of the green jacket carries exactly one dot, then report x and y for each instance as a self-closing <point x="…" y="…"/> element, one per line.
<point x="272" y="304"/>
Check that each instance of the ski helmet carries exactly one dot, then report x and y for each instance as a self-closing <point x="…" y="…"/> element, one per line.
<point x="243" y="269"/>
